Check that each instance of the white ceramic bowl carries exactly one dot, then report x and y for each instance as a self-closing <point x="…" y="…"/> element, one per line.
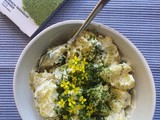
<point x="59" y="33"/>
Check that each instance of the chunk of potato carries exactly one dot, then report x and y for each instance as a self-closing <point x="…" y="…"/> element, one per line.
<point x="113" y="72"/>
<point x="125" y="82"/>
<point x="121" y="100"/>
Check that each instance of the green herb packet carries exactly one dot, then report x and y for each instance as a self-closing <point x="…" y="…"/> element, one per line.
<point x="30" y="15"/>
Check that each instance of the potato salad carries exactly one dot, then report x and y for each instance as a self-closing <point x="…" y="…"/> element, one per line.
<point x="86" y="80"/>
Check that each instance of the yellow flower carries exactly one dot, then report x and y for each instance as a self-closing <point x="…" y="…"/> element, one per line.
<point x="90" y="106"/>
<point x="71" y="101"/>
<point x="77" y="65"/>
<point x="90" y="110"/>
<point x="65" y="84"/>
<point x="65" y="117"/>
<point x="72" y="85"/>
<point x="61" y="103"/>
<point x="76" y="90"/>
<point x="82" y="99"/>
<point x="72" y="108"/>
<point x="72" y="111"/>
<point x="89" y="113"/>
<point x="80" y="82"/>
<point x="66" y="91"/>
<point x="79" y="107"/>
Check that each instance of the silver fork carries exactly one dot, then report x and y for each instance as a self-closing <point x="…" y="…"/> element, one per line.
<point x="91" y="16"/>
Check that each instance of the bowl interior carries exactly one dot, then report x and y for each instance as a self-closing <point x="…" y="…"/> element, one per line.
<point x="60" y="33"/>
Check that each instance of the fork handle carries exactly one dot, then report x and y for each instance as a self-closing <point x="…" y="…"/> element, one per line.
<point x="91" y="16"/>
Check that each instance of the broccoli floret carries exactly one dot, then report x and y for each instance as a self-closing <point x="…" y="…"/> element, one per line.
<point x="99" y="96"/>
<point x="103" y="109"/>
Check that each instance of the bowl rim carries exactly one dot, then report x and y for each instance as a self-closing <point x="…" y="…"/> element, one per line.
<point x="81" y="22"/>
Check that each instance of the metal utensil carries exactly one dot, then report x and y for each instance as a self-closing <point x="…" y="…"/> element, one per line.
<point x="91" y="16"/>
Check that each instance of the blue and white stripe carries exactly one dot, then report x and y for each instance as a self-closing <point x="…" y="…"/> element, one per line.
<point x="138" y="20"/>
